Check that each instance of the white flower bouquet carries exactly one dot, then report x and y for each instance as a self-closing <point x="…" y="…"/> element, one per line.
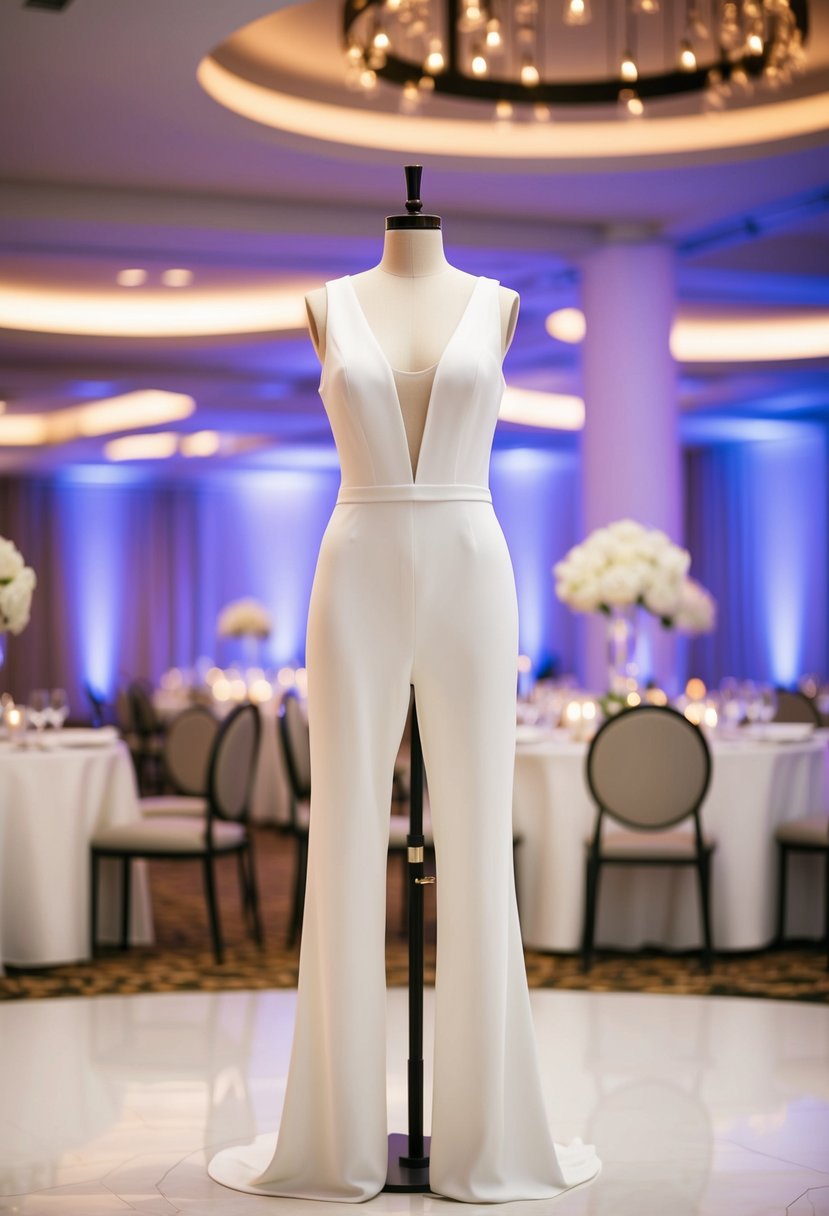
<point x="244" y="618"/>
<point x="17" y="582"/>
<point x="626" y="564"/>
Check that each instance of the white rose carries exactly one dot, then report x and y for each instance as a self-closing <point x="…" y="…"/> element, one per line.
<point x="662" y="598"/>
<point x="11" y="560"/>
<point x="626" y="530"/>
<point x="16" y="601"/>
<point x="697" y="610"/>
<point x="676" y="561"/>
<point x="619" y="586"/>
<point x="587" y="597"/>
<point x="600" y="541"/>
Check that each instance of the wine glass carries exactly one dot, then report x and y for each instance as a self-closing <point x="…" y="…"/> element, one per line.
<point x="38" y="714"/>
<point x="58" y="710"/>
<point x="752" y="701"/>
<point x="768" y="703"/>
<point x="732" y="709"/>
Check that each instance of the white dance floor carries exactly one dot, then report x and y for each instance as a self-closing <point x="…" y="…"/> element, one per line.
<point x="113" y="1105"/>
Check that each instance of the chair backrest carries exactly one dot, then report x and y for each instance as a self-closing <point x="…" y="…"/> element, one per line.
<point x="796" y="707"/>
<point x="124" y="711"/>
<point x="296" y="746"/>
<point x="232" y="763"/>
<point x="147" y="721"/>
<point x="649" y="767"/>
<point x="188" y="744"/>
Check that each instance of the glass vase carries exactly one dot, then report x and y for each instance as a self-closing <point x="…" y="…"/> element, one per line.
<point x="622" y="639"/>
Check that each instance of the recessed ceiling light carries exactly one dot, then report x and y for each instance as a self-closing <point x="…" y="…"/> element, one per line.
<point x="177" y="278"/>
<point x="131" y="278"/>
<point x="158" y="445"/>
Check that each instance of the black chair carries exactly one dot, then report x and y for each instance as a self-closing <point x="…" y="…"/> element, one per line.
<point x="188" y="746"/>
<point x="809" y="835"/>
<point x="648" y="769"/>
<point x="793" y="706"/>
<point x="223" y="831"/>
<point x="296" y="750"/>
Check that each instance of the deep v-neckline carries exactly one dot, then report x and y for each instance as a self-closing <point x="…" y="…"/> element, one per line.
<point x="391" y="371"/>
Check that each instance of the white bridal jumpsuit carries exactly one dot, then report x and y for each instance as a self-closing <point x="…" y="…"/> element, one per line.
<point x="413" y="586"/>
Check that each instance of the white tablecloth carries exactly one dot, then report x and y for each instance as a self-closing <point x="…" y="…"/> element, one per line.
<point x="51" y="803"/>
<point x="754" y="787"/>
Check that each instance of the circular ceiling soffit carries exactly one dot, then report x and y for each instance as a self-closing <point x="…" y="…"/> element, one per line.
<point x="285" y="72"/>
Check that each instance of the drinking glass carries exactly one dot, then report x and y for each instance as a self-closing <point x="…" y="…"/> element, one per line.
<point x="58" y="707"/>
<point x="38" y="714"/>
<point x="752" y="701"/>
<point x="768" y="703"/>
<point x="732" y="709"/>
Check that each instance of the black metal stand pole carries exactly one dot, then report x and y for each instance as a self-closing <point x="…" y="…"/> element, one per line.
<point x="409" y="1154"/>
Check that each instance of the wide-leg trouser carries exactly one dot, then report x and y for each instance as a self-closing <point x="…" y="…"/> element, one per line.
<point x="422" y="593"/>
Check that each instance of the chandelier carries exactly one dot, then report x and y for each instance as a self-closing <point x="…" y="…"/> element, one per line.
<point x="518" y="54"/>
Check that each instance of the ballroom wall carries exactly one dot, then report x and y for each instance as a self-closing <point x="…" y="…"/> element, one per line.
<point x="133" y="570"/>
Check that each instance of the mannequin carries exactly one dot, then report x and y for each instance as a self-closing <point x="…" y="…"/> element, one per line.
<point x="412" y="299"/>
<point x="413" y="587"/>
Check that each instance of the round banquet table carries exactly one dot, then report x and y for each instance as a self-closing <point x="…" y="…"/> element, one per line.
<point x="52" y="800"/>
<point x="755" y="785"/>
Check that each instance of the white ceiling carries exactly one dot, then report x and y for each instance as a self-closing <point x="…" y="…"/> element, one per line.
<point x="112" y="155"/>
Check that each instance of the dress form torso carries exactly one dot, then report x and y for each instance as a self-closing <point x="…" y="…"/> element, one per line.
<point x="413" y="301"/>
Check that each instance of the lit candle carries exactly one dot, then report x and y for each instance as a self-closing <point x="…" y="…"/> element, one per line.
<point x="15" y="722"/>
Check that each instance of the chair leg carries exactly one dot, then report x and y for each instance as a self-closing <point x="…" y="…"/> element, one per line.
<point x="782" y="872"/>
<point x="213" y="908"/>
<point x="704" y="872"/>
<point x="244" y="887"/>
<point x="126" y="874"/>
<point x="591" y="890"/>
<point x="93" y="903"/>
<point x="253" y="895"/>
<point x="299" y="889"/>
<point x="826" y="907"/>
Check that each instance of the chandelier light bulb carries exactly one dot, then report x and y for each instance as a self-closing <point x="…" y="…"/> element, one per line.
<point x="473" y="11"/>
<point x="628" y="69"/>
<point x="631" y="102"/>
<point x="480" y="67"/>
<point x="393" y="6"/>
<point x="529" y="74"/>
<point x="410" y="100"/>
<point x="131" y="278"/>
<point x="687" y="58"/>
<point x="434" y="61"/>
<point x="426" y="85"/>
<point x="354" y="54"/>
<point x="493" y="34"/>
<point x="576" y="12"/>
<point x="503" y="110"/>
<point x="368" y="80"/>
<point x="381" y="40"/>
<point x="754" y="45"/>
<point x="541" y="112"/>
<point x="645" y="6"/>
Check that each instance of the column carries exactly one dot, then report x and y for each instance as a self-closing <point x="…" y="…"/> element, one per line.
<point x="631" y="466"/>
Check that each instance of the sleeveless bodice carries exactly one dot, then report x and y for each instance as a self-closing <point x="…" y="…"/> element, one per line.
<point x="361" y="399"/>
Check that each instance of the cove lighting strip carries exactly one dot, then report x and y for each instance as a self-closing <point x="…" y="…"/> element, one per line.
<point x="704" y="336"/>
<point x="153" y="314"/>
<point x="554" y="411"/>
<point x="143" y="408"/>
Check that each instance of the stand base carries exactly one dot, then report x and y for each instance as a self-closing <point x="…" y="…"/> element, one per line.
<point x="404" y="1173"/>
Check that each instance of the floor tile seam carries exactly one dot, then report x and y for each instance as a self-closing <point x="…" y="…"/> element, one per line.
<point x="773" y="1156"/>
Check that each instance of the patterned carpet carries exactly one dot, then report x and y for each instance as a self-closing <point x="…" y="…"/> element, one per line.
<point x="182" y="959"/>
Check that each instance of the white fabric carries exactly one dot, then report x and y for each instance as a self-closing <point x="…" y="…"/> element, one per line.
<point x="754" y="787"/>
<point x="51" y="804"/>
<point x="412" y="592"/>
<point x="173" y="804"/>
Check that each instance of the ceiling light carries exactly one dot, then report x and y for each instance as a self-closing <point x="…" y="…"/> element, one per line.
<point x="144" y="407"/>
<point x="554" y="411"/>
<point x="177" y="278"/>
<point x="131" y="278"/>
<point x="200" y="443"/>
<point x="687" y="57"/>
<point x="153" y="314"/>
<point x="709" y="335"/>
<point x="158" y="445"/>
<point x="577" y="12"/>
<point x="741" y="35"/>
<point x="628" y="67"/>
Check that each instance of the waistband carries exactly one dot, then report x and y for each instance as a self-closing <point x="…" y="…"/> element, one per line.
<point x="414" y="493"/>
